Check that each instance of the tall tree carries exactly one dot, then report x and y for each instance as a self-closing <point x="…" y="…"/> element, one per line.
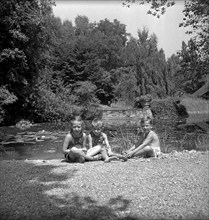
<point x="195" y="56"/>
<point x="23" y="41"/>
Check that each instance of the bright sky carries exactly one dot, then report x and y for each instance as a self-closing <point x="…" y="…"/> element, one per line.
<point x="169" y="34"/>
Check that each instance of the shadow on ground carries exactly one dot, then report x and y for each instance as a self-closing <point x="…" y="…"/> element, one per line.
<point x="37" y="190"/>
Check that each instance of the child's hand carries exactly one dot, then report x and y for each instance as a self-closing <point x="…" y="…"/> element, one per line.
<point x="129" y="155"/>
<point x="84" y="150"/>
<point x="109" y="152"/>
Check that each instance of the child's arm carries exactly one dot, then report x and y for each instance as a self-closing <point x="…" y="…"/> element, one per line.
<point x="67" y="140"/>
<point x="84" y="146"/>
<point x="90" y="143"/>
<point x="146" y="142"/>
<point x="135" y="145"/>
<point x="107" y="143"/>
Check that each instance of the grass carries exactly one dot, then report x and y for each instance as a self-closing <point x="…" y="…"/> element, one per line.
<point x="123" y="139"/>
<point x="202" y="142"/>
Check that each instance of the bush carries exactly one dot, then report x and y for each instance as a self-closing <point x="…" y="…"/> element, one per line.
<point x="6" y="98"/>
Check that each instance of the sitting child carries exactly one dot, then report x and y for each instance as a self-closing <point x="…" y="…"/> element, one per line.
<point x="74" y="146"/>
<point x="97" y="138"/>
<point x="149" y="146"/>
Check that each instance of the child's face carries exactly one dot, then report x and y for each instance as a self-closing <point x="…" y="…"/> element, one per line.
<point x="146" y="127"/>
<point x="77" y="127"/>
<point x="97" y="130"/>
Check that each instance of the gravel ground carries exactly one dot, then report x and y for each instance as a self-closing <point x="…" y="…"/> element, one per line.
<point x="174" y="186"/>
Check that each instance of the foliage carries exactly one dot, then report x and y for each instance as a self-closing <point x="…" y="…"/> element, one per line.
<point x="54" y="68"/>
<point x="195" y="56"/>
<point x="24" y="38"/>
<point x="149" y="63"/>
<point x="6" y="98"/>
<point x="124" y="81"/>
<point x="123" y="140"/>
<point x="157" y="8"/>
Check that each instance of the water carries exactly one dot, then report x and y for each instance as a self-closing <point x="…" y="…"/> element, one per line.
<point x="43" y="141"/>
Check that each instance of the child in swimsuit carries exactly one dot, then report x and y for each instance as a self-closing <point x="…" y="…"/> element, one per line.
<point x="97" y="138"/>
<point x="149" y="146"/>
<point x="74" y="146"/>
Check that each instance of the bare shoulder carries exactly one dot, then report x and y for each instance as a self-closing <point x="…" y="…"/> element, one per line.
<point x="68" y="136"/>
<point x="153" y="134"/>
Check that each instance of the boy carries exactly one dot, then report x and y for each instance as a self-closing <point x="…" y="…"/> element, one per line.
<point x="98" y="138"/>
<point x="149" y="146"/>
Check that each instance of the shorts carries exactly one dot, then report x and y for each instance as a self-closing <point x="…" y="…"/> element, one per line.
<point x="156" y="152"/>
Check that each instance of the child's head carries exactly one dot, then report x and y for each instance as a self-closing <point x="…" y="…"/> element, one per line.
<point x="146" y="124"/>
<point x="97" y="126"/>
<point x="77" y="125"/>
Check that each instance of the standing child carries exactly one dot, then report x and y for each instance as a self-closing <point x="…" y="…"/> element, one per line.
<point x="149" y="146"/>
<point x="74" y="146"/>
<point x="97" y="138"/>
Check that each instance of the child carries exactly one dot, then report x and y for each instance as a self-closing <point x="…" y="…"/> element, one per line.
<point x="149" y="146"/>
<point x="98" y="138"/>
<point x="74" y="146"/>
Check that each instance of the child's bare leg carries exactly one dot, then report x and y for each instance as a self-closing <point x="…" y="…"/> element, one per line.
<point x="105" y="156"/>
<point x="94" y="151"/>
<point x="145" y="152"/>
<point x="80" y="153"/>
<point x="120" y="156"/>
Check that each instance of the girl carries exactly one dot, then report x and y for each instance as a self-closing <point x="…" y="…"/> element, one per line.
<point x="74" y="146"/>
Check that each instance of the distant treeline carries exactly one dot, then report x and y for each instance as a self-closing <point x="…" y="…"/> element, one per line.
<point x="50" y="68"/>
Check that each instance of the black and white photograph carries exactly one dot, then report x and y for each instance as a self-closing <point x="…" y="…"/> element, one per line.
<point x="104" y="109"/>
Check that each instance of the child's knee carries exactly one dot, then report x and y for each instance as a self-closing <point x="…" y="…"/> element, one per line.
<point x="149" y="151"/>
<point x="98" y="147"/>
<point x="74" y="150"/>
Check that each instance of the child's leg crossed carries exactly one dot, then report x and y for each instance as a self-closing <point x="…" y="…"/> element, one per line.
<point x="145" y="152"/>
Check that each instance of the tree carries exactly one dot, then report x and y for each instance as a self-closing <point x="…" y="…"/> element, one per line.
<point x="149" y="64"/>
<point x="195" y="56"/>
<point x="23" y="42"/>
<point x="125" y="85"/>
<point x="157" y="8"/>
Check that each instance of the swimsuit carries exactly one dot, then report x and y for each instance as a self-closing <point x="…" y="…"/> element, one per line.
<point x="97" y="140"/>
<point x="76" y="142"/>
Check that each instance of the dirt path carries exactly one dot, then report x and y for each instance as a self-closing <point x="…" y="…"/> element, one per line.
<point x="172" y="187"/>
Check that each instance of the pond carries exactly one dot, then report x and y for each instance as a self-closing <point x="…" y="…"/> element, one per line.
<point x="40" y="141"/>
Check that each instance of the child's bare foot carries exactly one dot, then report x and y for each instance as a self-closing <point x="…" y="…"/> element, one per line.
<point x="109" y="159"/>
<point x="124" y="153"/>
<point x="97" y="157"/>
<point x="124" y="158"/>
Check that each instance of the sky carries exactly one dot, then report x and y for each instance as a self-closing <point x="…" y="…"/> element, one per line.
<point x="169" y="34"/>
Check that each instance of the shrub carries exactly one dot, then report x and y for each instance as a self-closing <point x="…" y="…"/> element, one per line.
<point x="6" y="98"/>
